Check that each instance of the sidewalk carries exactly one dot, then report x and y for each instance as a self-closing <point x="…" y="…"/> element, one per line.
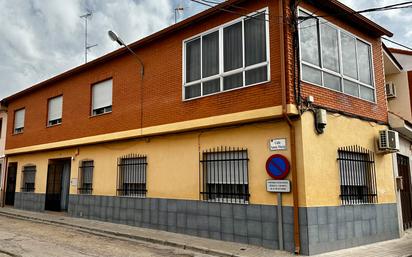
<point x="396" y="248"/>
<point x="202" y="245"/>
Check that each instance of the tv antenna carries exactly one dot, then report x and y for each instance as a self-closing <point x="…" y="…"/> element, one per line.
<point x="179" y="11"/>
<point x="86" y="44"/>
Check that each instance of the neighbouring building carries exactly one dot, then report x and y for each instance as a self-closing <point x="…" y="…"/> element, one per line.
<point x="398" y="75"/>
<point x="184" y="146"/>
<point x="3" y="125"/>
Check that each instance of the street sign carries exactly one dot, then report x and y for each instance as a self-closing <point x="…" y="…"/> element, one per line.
<point x="277" y="166"/>
<point x="277" y="144"/>
<point x="278" y="186"/>
<point x="73" y="182"/>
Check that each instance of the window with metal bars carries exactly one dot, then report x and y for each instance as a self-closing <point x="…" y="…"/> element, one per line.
<point x="28" y="178"/>
<point x="85" y="183"/>
<point x="131" y="175"/>
<point x="224" y="175"/>
<point x="357" y="175"/>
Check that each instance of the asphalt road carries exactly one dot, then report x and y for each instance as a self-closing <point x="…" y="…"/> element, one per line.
<point x="27" y="238"/>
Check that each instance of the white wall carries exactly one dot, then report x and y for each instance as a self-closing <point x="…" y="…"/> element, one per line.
<point x="3" y="116"/>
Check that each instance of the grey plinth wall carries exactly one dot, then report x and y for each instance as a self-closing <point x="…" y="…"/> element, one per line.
<point x="252" y="224"/>
<point x="333" y="228"/>
<point x="29" y="201"/>
<point x="322" y="229"/>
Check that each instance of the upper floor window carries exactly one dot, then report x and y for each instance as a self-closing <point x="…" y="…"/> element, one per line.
<point x="1" y="127"/>
<point x="19" y="121"/>
<point x="335" y="59"/>
<point x="231" y="56"/>
<point x="224" y="175"/>
<point x="102" y="97"/>
<point x="55" y="111"/>
<point x="28" y="178"/>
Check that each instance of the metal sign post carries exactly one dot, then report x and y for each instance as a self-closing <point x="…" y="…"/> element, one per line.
<point x="277" y="167"/>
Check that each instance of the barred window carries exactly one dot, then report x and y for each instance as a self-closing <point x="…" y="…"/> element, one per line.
<point x="357" y="175"/>
<point x="28" y="178"/>
<point x="225" y="175"/>
<point x="131" y="178"/>
<point x="85" y="183"/>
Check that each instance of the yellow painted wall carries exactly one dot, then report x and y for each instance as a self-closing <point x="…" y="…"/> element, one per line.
<point x="173" y="161"/>
<point x="319" y="159"/>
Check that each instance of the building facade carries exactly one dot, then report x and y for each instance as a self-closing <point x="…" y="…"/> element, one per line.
<point x="184" y="146"/>
<point x="398" y="74"/>
<point x="3" y="125"/>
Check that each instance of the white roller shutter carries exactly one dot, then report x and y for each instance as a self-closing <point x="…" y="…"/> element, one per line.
<point x="55" y="108"/>
<point x="102" y="94"/>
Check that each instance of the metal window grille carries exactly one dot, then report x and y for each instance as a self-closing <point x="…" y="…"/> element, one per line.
<point x="357" y="175"/>
<point x="85" y="183"/>
<point x="28" y="179"/>
<point x="224" y="175"/>
<point x="131" y="175"/>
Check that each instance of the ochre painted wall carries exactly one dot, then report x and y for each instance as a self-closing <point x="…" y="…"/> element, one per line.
<point x="173" y="161"/>
<point x="319" y="159"/>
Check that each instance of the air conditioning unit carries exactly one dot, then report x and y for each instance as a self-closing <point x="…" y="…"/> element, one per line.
<point x="388" y="141"/>
<point x="390" y="90"/>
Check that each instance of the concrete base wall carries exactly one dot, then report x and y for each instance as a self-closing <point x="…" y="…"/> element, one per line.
<point x="322" y="229"/>
<point x="333" y="228"/>
<point x="29" y="201"/>
<point x="251" y="224"/>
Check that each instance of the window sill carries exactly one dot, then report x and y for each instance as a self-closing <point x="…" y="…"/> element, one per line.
<point x="101" y="114"/>
<point x="340" y="92"/>
<point x="17" y="133"/>
<point x="54" y="125"/>
<point x="224" y="91"/>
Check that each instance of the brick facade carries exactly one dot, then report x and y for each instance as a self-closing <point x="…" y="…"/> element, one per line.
<point x="342" y="102"/>
<point x="162" y="87"/>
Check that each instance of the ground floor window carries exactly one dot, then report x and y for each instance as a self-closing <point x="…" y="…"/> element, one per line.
<point x="224" y="174"/>
<point x="131" y="178"/>
<point x="28" y="178"/>
<point x="85" y="183"/>
<point x="357" y="175"/>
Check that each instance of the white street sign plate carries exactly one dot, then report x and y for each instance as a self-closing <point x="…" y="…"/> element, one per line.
<point x="73" y="182"/>
<point x="278" y="186"/>
<point x="277" y="144"/>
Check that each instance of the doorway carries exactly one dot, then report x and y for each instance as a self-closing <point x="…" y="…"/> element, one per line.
<point x="58" y="185"/>
<point x="406" y="195"/>
<point x="11" y="184"/>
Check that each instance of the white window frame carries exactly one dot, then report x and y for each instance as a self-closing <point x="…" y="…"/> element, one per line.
<point x="58" y="121"/>
<point x="107" y="109"/>
<point x="340" y="73"/>
<point x="222" y="73"/>
<point x="21" y="129"/>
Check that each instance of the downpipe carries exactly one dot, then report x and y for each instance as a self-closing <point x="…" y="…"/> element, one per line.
<point x="292" y="131"/>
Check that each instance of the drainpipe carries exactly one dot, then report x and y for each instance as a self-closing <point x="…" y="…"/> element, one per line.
<point x="283" y="62"/>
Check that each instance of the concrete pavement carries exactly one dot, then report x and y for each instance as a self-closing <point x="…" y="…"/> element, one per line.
<point x="396" y="248"/>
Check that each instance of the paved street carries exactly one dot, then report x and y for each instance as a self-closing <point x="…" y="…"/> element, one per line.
<point x="26" y="238"/>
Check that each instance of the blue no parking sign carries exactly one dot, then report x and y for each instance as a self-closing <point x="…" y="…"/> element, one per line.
<point x="277" y="166"/>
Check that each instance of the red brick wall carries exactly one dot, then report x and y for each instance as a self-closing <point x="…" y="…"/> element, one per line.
<point x="162" y="93"/>
<point x="342" y="102"/>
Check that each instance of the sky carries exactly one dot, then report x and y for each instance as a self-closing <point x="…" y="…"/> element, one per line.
<point x="43" y="38"/>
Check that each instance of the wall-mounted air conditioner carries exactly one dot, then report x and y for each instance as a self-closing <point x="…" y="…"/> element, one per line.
<point x="390" y="89"/>
<point x="388" y="141"/>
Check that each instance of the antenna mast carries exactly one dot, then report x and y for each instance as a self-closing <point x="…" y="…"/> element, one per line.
<point x="86" y="44"/>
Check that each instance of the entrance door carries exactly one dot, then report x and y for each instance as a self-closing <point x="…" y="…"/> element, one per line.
<point x="58" y="183"/>
<point x="406" y="196"/>
<point x="11" y="183"/>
